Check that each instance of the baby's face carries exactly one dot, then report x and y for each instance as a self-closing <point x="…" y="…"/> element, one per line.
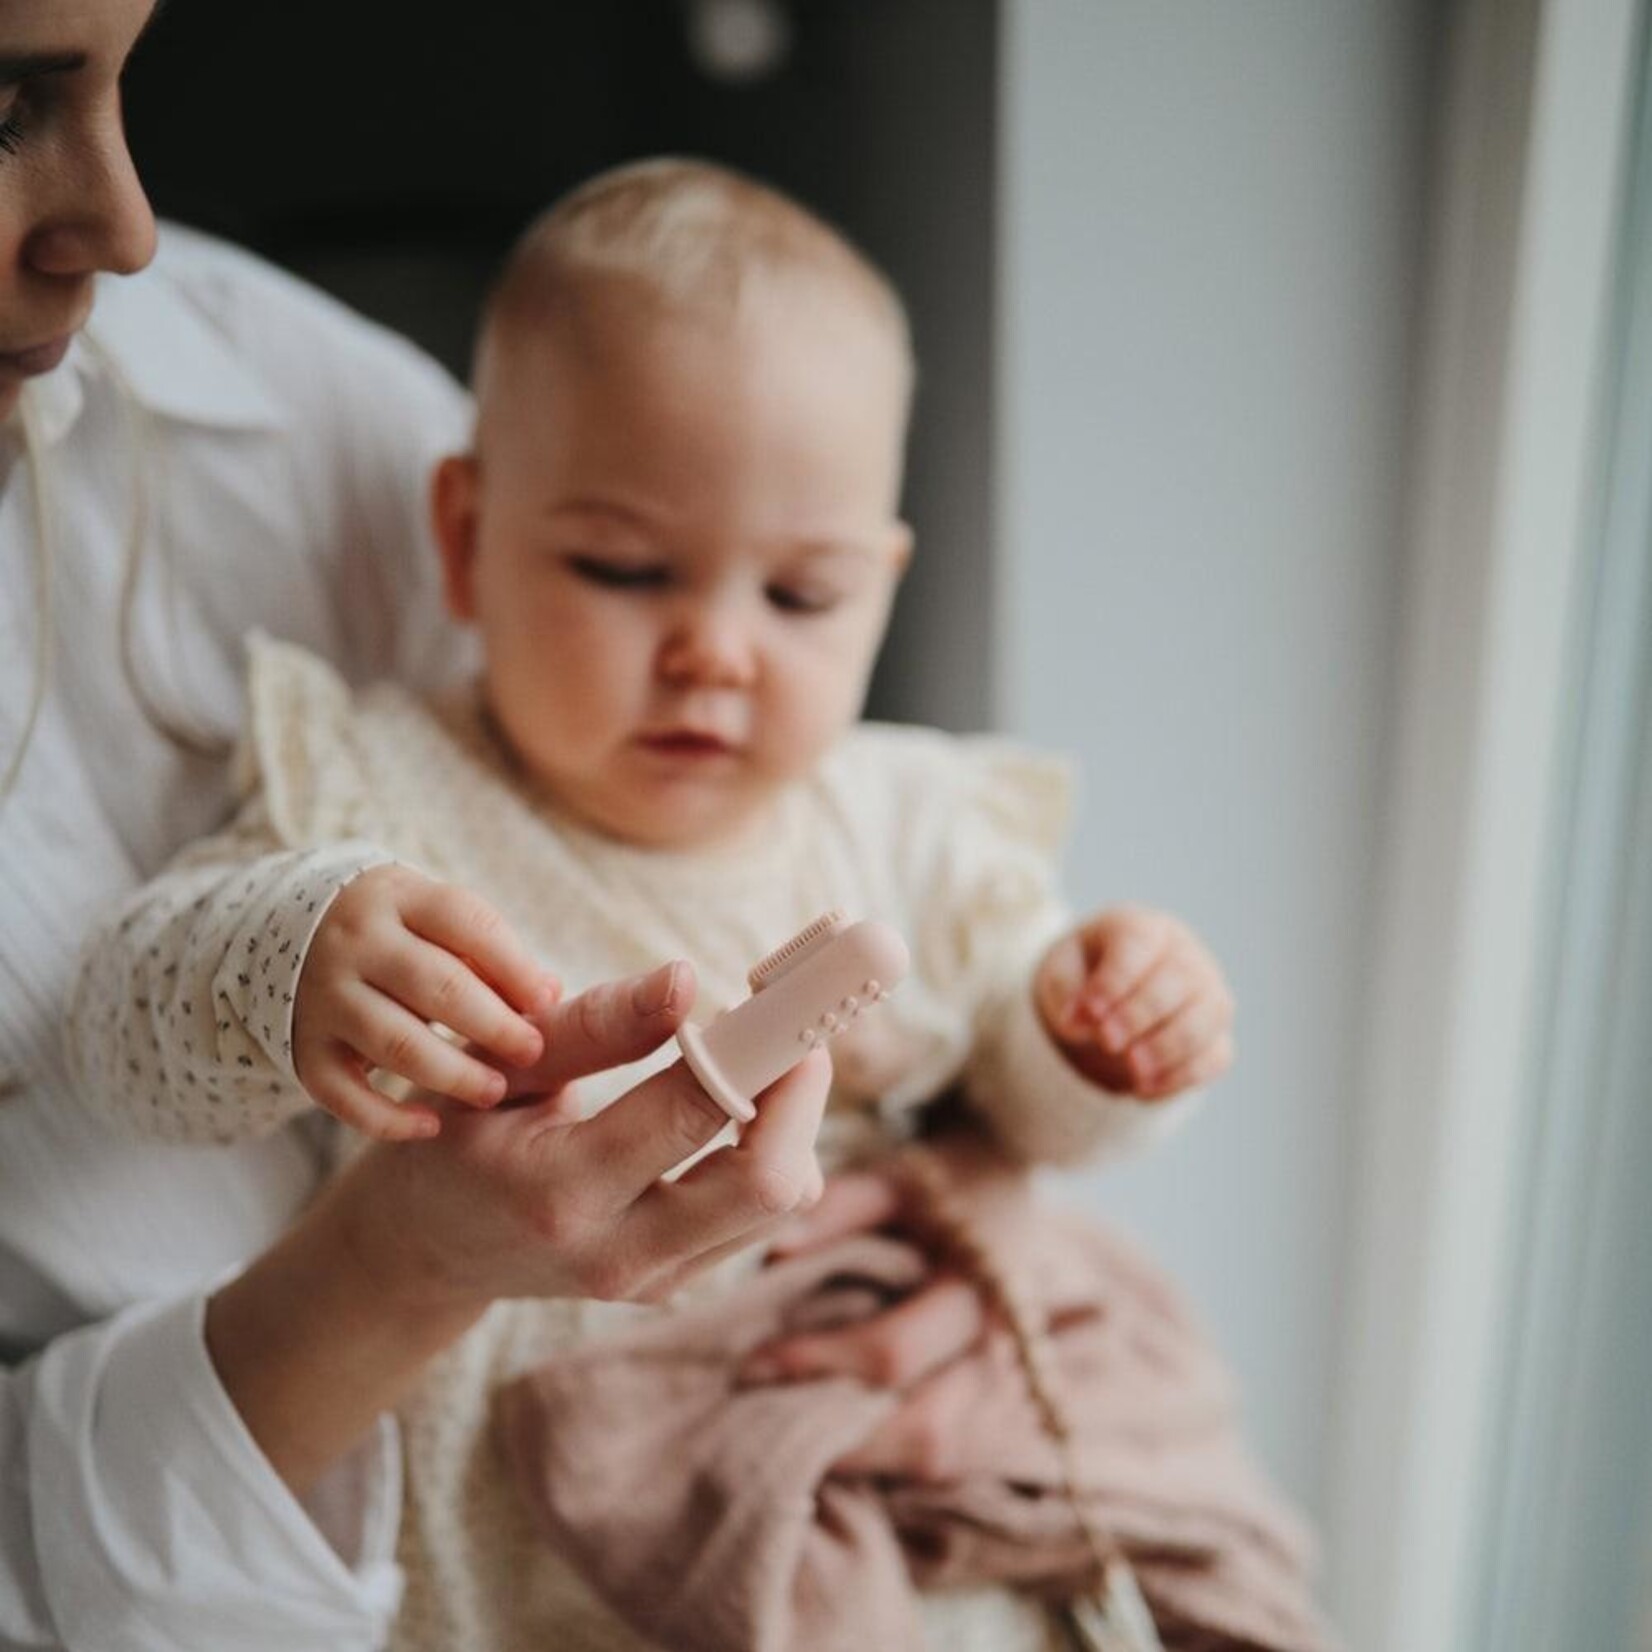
<point x="679" y="542"/>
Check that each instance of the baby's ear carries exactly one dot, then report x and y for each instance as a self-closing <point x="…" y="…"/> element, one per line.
<point x="454" y="493"/>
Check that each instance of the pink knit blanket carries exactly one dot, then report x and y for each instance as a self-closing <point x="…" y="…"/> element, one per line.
<point x="712" y="1517"/>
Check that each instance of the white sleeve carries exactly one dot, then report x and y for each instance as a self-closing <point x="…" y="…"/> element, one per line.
<point x="137" y="1515"/>
<point x="180" y="1021"/>
<point x="371" y="415"/>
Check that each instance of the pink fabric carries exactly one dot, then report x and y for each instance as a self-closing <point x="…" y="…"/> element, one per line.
<point x="710" y="1517"/>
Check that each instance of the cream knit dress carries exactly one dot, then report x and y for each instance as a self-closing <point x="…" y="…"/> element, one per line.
<point x="181" y="1025"/>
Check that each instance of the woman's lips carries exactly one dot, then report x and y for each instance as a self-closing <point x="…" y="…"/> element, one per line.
<point x="38" y="358"/>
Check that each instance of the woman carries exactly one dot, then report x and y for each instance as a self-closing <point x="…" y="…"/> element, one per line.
<point x="208" y="447"/>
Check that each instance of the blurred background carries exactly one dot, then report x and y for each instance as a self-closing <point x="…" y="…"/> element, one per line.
<point x="1281" y="452"/>
<point x="391" y="153"/>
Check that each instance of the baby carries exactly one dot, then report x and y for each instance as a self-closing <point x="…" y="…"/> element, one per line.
<point x="677" y="536"/>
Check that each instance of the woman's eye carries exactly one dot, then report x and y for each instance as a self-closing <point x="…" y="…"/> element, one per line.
<point x="620" y="576"/>
<point x="799" y="599"/>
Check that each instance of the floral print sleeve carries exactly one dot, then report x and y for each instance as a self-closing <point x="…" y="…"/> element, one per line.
<point x="180" y="1023"/>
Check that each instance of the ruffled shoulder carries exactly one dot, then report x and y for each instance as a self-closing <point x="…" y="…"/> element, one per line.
<point x="1016" y="795"/>
<point x="973" y="828"/>
<point x="307" y="747"/>
<point x="971" y="790"/>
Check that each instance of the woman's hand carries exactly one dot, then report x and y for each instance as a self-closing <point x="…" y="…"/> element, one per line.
<point x="915" y="1347"/>
<point x="404" y="1250"/>
<point x="527" y="1200"/>
<point x="395" y="952"/>
<point x="1137" y="1004"/>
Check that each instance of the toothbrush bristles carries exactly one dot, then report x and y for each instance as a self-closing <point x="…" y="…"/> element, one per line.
<point x="786" y="954"/>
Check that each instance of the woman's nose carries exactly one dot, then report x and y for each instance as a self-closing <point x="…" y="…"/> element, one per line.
<point x="98" y="217"/>
<point x="709" y="645"/>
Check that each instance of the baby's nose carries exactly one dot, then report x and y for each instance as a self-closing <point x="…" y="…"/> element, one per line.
<point x="709" y="644"/>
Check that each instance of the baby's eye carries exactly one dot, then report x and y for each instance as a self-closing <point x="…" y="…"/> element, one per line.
<point x="620" y="576"/>
<point x="11" y="125"/>
<point x="801" y="599"/>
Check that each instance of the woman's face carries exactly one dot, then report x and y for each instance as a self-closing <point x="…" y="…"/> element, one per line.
<point x="70" y="202"/>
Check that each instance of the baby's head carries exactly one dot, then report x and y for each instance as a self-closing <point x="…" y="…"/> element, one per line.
<point x="678" y="532"/>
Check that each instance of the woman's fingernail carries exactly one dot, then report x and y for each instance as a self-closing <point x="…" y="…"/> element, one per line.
<point x="655" y="991"/>
<point x="1113" y="1031"/>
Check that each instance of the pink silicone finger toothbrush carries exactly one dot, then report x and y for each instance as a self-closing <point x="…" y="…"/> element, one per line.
<point x="803" y="993"/>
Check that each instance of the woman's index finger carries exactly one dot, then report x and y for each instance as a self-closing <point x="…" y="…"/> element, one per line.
<point x="608" y="1025"/>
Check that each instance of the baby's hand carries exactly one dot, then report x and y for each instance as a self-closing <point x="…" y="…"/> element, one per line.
<point x="394" y="952"/>
<point x="1136" y="1003"/>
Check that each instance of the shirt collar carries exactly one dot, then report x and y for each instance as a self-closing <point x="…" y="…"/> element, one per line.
<point x="175" y="364"/>
<point x="54" y="399"/>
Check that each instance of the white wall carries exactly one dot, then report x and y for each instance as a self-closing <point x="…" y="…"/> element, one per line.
<point x="1212" y="224"/>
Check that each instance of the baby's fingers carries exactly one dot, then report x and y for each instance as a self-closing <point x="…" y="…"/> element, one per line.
<point x="465" y="925"/>
<point x="437" y="986"/>
<point x="387" y="1035"/>
<point x="1178" y="1041"/>
<point x="1204" y="1068"/>
<point x="1058" y="988"/>
<point x="1121" y="948"/>
<point x="1153" y="1000"/>
<point x="340" y="1086"/>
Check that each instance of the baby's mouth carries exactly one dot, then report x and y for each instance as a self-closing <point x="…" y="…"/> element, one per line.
<point x="687" y="743"/>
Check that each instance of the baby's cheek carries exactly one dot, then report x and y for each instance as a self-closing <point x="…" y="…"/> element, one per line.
<point x="826" y="681"/>
<point x="796" y="736"/>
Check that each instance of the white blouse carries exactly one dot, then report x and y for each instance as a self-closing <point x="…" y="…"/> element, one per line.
<point x="279" y="448"/>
